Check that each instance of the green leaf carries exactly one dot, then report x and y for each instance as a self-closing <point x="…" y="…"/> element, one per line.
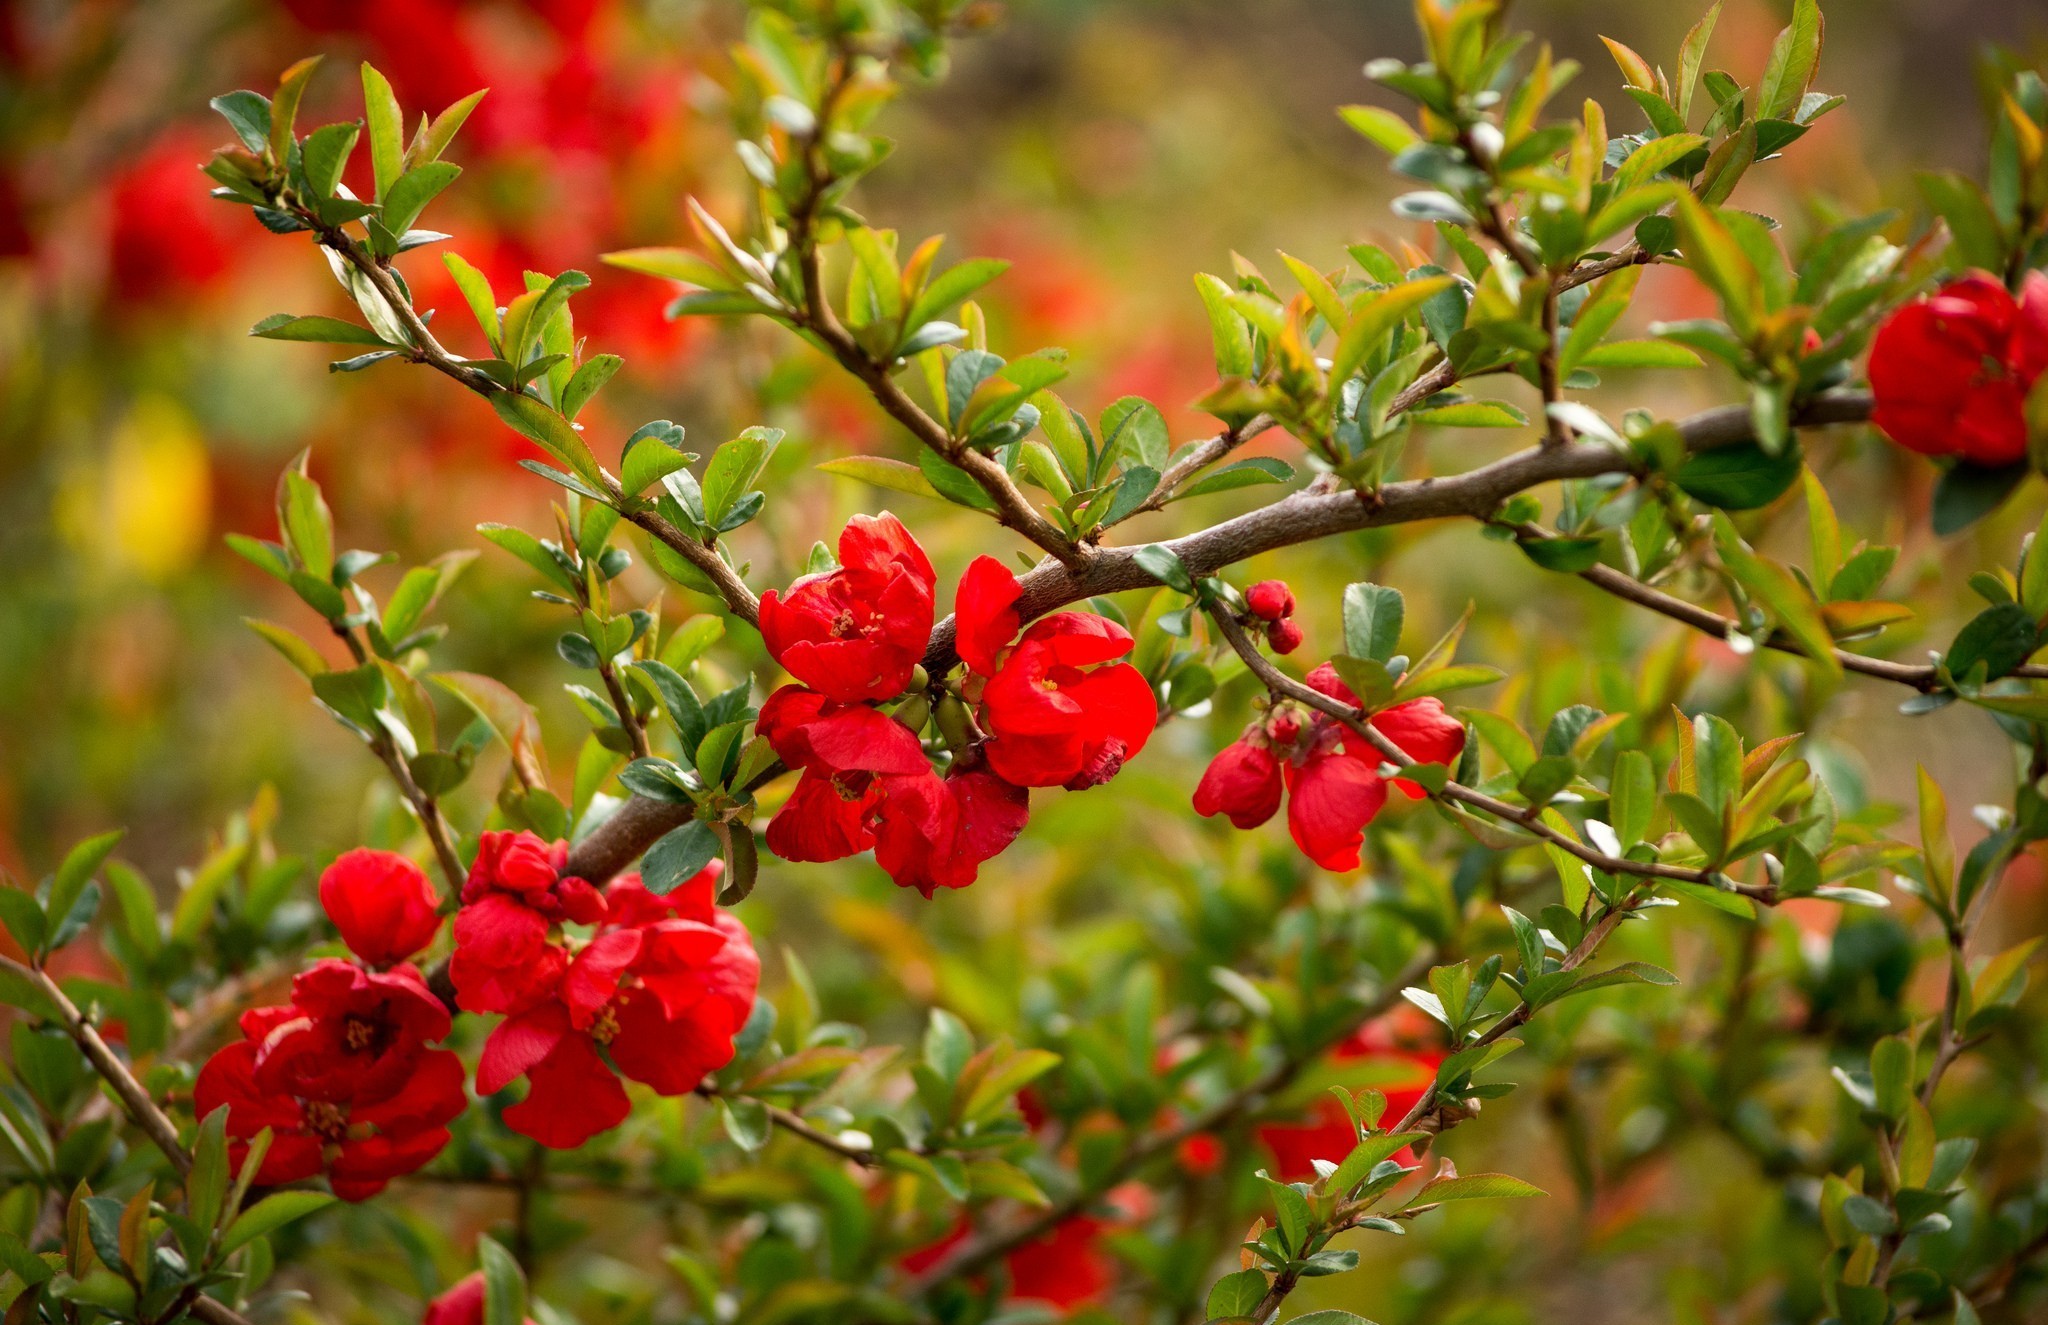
<point x="206" y="1188"/>
<point x="882" y="472"/>
<point x="387" y="129"/>
<point x="1632" y="797"/>
<point x="1794" y="57"/>
<point x="80" y="864"/>
<point x="413" y="190"/>
<point x="1967" y="493"/>
<point x="1237" y="1294"/>
<point x="1474" y="1187"/>
<point x="442" y="130"/>
<point x="323" y="330"/>
<point x="504" y="1284"/>
<point x="1472" y="414"/>
<point x="1786" y="599"/>
<point x="1639" y="354"/>
<point x="1372" y="621"/>
<point x="678" y="857"/>
<point x="1565" y="555"/>
<point x="249" y="114"/>
<point x="1741" y="477"/>
<point x="1376" y="315"/>
<point x="733" y="469"/>
<point x="325" y="155"/>
<point x="1238" y="474"/>
<point x="950" y="287"/>
<point x="307" y="524"/>
<point x="1133" y="429"/>
<point x="270" y="1214"/>
<point x="536" y="422"/>
<point x="589" y="378"/>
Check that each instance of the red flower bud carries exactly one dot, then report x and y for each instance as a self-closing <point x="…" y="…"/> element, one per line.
<point x="1284" y="636"/>
<point x="1270" y="600"/>
<point x="1951" y="373"/>
<point x="382" y="903"/>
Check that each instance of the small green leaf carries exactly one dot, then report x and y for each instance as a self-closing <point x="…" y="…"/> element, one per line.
<point x="270" y="1214"/>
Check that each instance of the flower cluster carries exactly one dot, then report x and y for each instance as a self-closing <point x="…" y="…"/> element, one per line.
<point x="656" y="992"/>
<point x="1330" y="775"/>
<point x="1054" y="707"/>
<point x="1951" y="373"/>
<point x="348" y="1078"/>
<point x="345" y="1076"/>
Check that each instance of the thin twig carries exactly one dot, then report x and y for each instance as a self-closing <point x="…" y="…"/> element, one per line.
<point x="981" y="1252"/>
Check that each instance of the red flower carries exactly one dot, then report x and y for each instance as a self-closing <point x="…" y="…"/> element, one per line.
<point x="856" y="632"/>
<point x="845" y="751"/>
<point x="354" y="1035"/>
<point x="1066" y="1268"/>
<point x="1951" y="373"/>
<point x="1270" y="600"/>
<point x="1284" y="636"/>
<point x="462" y="1304"/>
<point x="515" y="894"/>
<point x="663" y="996"/>
<point x="382" y="903"/>
<point x="343" y="1078"/>
<point x="1331" y="774"/>
<point x="1056" y="715"/>
<point x="933" y="832"/>
<point x="1242" y="781"/>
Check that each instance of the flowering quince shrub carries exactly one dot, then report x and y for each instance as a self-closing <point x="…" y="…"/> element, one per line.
<point x="522" y="1063"/>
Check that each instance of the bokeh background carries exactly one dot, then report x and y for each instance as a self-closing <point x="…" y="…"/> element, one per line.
<point x="1110" y="147"/>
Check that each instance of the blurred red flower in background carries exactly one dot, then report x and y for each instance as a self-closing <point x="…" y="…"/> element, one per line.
<point x="1328" y="1132"/>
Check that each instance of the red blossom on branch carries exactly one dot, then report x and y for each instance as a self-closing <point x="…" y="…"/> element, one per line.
<point x="344" y="1078"/>
<point x="856" y="632"/>
<point x="1330" y="773"/>
<point x="657" y="995"/>
<point x="1951" y="373"/>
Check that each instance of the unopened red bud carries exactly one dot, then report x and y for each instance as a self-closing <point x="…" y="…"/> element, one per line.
<point x="1283" y="728"/>
<point x="1284" y="636"/>
<point x="1270" y="600"/>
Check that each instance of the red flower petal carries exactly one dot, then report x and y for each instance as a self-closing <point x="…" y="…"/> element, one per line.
<point x="573" y="1097"/>
<point x="518" y="1045"/>
<point x="985" y="613"/>
<point x="1332" y="797"/>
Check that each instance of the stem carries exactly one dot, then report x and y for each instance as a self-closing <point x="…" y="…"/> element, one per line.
<point x="979" y="1253"/>
<point x="135" y="1101"/>
<point x="636" y="731"/>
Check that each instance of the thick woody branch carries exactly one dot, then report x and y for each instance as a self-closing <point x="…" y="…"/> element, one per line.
<point x="1300" y="518"/>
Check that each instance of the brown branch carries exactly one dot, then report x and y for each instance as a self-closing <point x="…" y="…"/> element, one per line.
<point x="1298" y="518"/>
<point x="135" y="1101"/>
